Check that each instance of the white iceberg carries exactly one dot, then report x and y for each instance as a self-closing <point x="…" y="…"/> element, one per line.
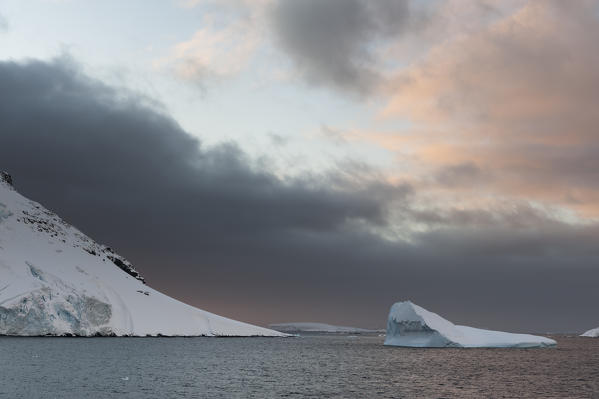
<point x="594" y="333"/>
<point x="411" y="325"/>
<point x="298" y="327"/>
<point x="55" y="280"/>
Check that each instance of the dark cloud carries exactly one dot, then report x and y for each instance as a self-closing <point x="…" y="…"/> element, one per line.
<point x="114" y="143"/>
<point x="218" y="230"/>
<point x="512" y="215"/>
<point x="331" y="41"/>
<point x="550" y="241"/>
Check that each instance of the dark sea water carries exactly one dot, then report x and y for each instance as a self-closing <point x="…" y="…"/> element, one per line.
<point x="306" y="367"/>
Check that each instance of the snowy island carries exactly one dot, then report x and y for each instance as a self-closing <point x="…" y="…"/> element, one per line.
<point x="55" y="280"/>
<point x="305" y="327"/>
<point x="410" y="325"/>
<point x="594" y="333"/>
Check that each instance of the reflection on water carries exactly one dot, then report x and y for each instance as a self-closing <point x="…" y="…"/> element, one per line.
<point x="306" y="367"/>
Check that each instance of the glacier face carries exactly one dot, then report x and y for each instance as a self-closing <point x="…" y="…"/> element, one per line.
<point x="411" y="325"/>
<point x="594" y="333"/>
<point x="55" y="280"/>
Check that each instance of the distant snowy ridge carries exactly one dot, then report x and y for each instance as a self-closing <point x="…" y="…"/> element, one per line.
<point x="55" y="280"/>
<point x="594" y="333"/>
<point x="412" y="325"/>
<point x="297" y="327"/>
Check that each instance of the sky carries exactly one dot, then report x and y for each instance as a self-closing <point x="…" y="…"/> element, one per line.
<point x="318" y="160"/>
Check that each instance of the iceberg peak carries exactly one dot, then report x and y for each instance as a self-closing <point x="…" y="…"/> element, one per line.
<point x="411" y="325"/>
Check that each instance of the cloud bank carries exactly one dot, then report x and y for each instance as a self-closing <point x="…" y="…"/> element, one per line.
<point x="213" y="227"/>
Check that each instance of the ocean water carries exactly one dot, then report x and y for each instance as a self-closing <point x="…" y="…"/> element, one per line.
<point x="305" y="367"/>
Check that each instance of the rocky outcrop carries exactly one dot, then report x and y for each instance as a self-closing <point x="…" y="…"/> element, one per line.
<point x="6" y="178"/>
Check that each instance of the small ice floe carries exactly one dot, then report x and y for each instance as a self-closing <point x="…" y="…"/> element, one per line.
<point x="594" y="333"/>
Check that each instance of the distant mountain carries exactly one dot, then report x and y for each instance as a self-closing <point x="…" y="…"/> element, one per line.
<point x="299" y="327"/>
<point x="55" y="280"/>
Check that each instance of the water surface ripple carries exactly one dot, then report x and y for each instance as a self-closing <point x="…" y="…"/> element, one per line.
<point x="306" y="367"/>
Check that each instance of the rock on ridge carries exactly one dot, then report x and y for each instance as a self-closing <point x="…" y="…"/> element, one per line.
<point x="5" y="178"/>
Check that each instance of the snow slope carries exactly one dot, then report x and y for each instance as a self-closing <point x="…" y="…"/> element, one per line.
<point x="54" y="280"/>
<point x="411" y="325"/>
<point x="594" y="333"/>
<point x="318" y="327"/>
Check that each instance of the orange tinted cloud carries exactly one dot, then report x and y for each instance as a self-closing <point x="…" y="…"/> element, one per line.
<point x="519" y="98"/>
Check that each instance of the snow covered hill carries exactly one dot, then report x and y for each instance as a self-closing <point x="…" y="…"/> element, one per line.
<point x="299" y="327"/>
<point x="54" y="280"/>
<point x="594" y="333"/>
<point x="411" y="325"/>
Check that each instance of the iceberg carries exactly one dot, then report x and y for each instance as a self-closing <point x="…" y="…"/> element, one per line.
<point x="55" y="280"/>
<point x="594" y="333"/>
<point x="411" y="325"/>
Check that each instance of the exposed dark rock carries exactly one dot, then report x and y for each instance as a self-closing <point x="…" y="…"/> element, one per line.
<point x="127" y="267"/>
<point x="6" y="178"/>
<point x="90" y="251"/>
